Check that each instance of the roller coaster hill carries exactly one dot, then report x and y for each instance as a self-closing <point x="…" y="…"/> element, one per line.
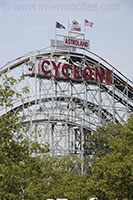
<point x="72" y="91"/>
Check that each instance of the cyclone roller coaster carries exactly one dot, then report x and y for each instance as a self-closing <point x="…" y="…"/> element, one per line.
<point x="71" y="92"/>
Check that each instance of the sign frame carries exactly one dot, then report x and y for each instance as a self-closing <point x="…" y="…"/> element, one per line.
<point x="76" y="42"/>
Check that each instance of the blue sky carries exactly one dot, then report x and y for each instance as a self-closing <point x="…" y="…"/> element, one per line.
<point x="30" y="24"/>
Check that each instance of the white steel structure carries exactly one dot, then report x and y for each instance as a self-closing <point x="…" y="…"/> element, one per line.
<point x="66" y="110"/>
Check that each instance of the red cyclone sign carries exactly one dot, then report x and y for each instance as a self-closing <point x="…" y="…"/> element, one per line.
<point x="72" y="71"/>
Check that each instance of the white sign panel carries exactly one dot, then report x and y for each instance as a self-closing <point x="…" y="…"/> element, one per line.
<point x="61" y="199"/>
<point x="75" y="42"/>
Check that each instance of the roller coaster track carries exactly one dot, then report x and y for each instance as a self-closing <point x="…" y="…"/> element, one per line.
<point x="67" y="110"/>
<point x="120" y="81"/>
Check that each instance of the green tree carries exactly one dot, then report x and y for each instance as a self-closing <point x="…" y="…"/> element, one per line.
<point x="112" y="171"/>
<point x="24" y="175"/>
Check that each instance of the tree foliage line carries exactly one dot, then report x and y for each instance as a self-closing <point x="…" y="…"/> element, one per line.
<point x="28" y="172"/>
